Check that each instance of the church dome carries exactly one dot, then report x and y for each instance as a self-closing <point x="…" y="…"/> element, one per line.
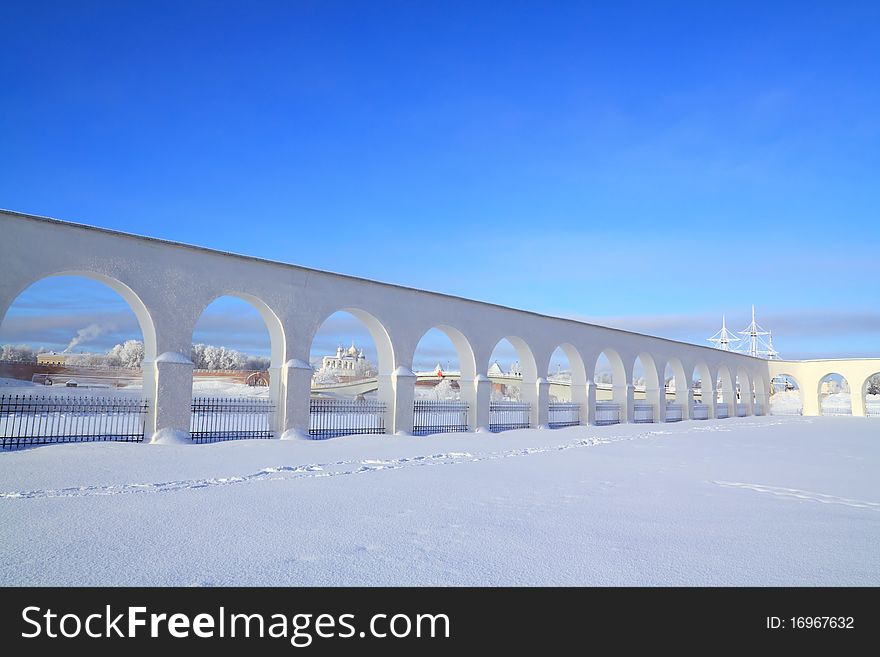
<point x="352" y="350"/>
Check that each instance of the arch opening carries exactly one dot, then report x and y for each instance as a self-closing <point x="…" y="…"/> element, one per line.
<point x="510" y="366"/>
<point x="609" y="376"/>
<point x="352" y="390"/>
<point x="646" y="390"/>
<point x="237" y="351"/>
<point x="785" y="396"/>
<point x="437" y="365"/>
<point x="86" y="342"/>
<point x="703" y="390"/>
<point x="725" y="394"/>
<point x="834" y="395"/>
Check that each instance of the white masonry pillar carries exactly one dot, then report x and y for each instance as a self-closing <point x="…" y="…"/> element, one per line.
<point x="169" y="378"/>
<point x="579" y="397"/>
<point x="540" y="412"/>
<point x="295" y="380"/>
<point x="478" y="412"/>
<point x="591" y="404"/>
<point x="403" y="385"/>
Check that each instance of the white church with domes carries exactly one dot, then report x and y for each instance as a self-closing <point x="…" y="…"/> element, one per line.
<point x="346" y="362"/>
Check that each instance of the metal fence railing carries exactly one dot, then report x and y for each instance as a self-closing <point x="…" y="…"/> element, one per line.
<point x="701" y="412"/>
<point x="504" y="415"/>
<point x="43" y="419"/>
<point x="330" y="417"/>
<point x="643" y="413"/>
<point x="758" y="409"/>
<point x="674" y="412"/>
<point x="834" y="408"/>
<point x="741" y="410"/>
<point x="872" y="409"/>
<point x="215" y="419"/>
<point x="722" y="411"/>
<point x="564" y="414"/>
<point x="607" y="413"/>
<point x="785" y="409"/>
<point x="439" y="416"/>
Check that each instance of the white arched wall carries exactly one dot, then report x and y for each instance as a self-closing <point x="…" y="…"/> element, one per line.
<point x="174" y="282"/>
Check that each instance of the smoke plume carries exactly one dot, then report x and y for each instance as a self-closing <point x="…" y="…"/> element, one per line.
<point x="90" y="332"/>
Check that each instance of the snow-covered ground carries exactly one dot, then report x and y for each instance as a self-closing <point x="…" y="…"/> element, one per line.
<point x="760" y="501"/>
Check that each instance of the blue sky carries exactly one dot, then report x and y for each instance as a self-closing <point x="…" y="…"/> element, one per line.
<point x="643" y="165"/>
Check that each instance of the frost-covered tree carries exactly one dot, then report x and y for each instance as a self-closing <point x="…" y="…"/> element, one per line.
<point x="874" y="385"/>
<point x="209" y="357"/>
<point x="128" y="354"/>
<point x="444" y="391"/>
<point x="19" y="353"/>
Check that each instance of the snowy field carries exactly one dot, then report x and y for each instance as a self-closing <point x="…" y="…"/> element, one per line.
<point x="743" y="501"/>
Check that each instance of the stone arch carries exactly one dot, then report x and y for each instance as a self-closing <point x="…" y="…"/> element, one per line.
<point x="463" y="349"/>
<point x="724" y="385"/>
<point x="144" y="319"/>
<point x="785" y="401"/>
<point x="704" y="406"/>
<point x="679" y="379"/>
<point x="277" y="342"/>
<point x="834" y="402"/>
<point x="376" y="328"/>
<point x="871" y="399"/>
<point x="527" y="363"/>
<point x="652" y="389"/>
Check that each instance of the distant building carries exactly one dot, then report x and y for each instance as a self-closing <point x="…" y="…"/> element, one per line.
<point x="51" y="358"/>
<point x="346" y="362"/>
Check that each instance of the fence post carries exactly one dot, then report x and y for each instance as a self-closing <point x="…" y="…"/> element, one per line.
<point x="296" y="390"/>
<point x="478" y="411"/>
<point x="170" y="394"/>
<point x="403" y="382"/>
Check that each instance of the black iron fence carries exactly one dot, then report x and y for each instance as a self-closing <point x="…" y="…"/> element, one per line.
<point x="607" y="413"/>
<point x="722" y="411"/>
<point x="741" y="410"/>
<point x="42" y="419"/>
<point x="504" y="415"/>
<point x="564" y="414"/>
<point x="701" y="412"/>
<point x="439" y="416"/>
<point x="643" y="413"/>
<point x="331" y="417"/>
<point x="674" y="412"/>
<point x="231" y="418"/>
